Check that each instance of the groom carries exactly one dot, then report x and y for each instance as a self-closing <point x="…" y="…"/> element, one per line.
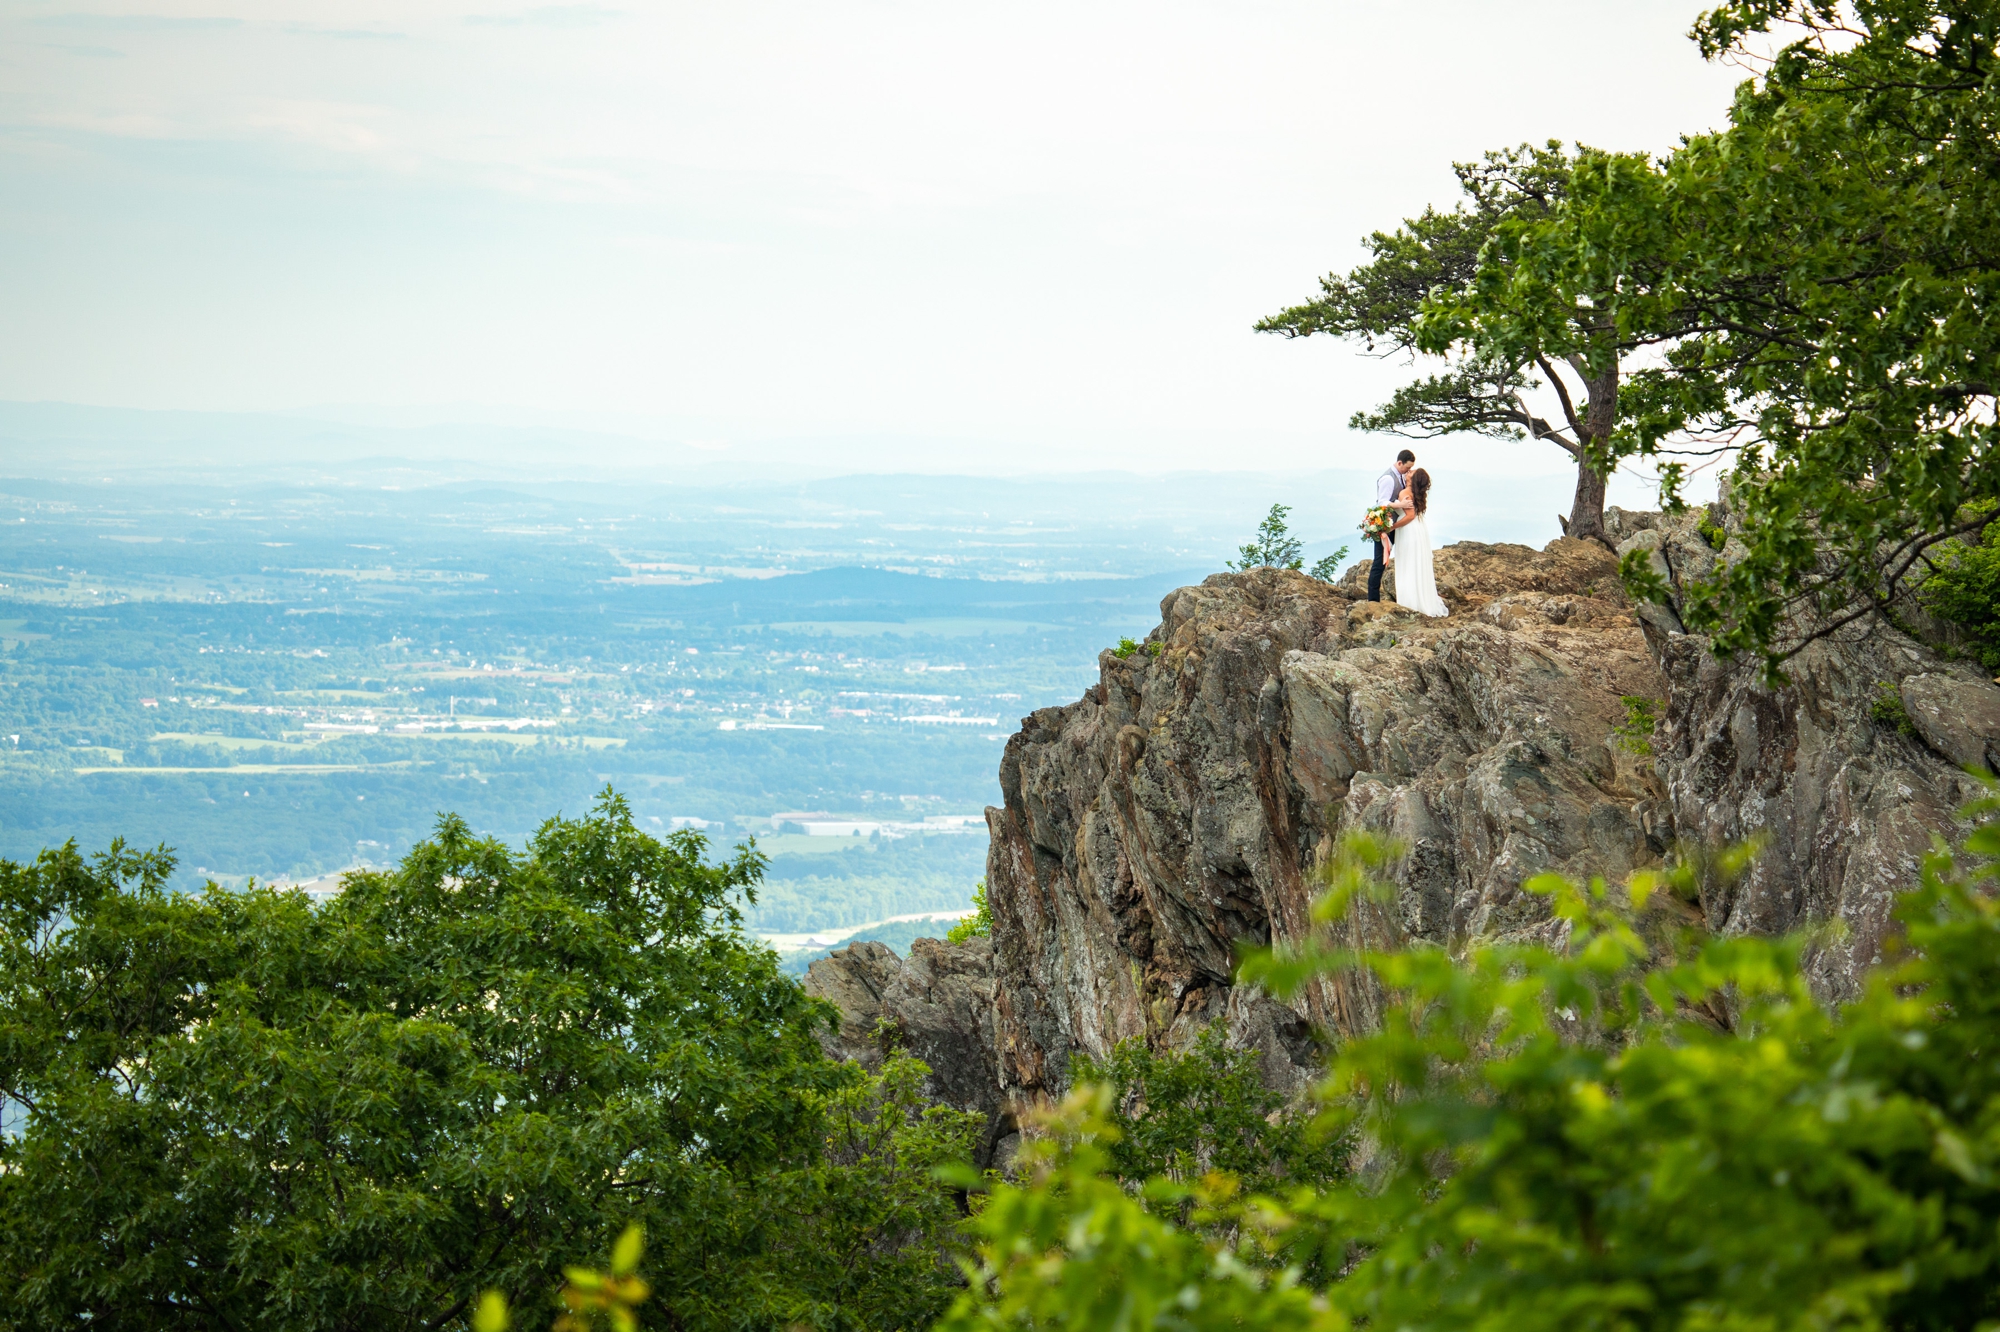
<point x="1388" y="487"/>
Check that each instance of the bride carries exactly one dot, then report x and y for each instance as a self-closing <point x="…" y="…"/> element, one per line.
<point x="1416" y="583"/>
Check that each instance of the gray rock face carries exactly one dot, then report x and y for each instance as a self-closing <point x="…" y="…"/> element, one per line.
<point x="1845" y="804"/>
<point x="1180" y="807"/>
<point x="1958" y="716"/>
<point x="939" y="1005"/>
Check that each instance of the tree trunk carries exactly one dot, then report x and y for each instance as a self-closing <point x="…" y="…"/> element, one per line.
<point x="1586" y="513"/>
<point x="1600" y="414"/>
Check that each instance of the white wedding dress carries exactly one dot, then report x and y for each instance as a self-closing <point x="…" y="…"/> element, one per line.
<point x="1416" y="582"/>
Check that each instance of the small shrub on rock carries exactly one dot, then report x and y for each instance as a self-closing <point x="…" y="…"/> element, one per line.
<point x="1273" y="547"/>
<point x="979" y="924"/>
<point x="1888" y="709"/>
<point x="1635" y="733"/>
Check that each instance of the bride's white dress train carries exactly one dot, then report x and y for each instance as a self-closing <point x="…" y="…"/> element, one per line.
<point x="1416" y="582"/>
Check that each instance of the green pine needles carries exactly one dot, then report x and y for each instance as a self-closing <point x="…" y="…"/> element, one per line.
<point x="1274" y="547"/>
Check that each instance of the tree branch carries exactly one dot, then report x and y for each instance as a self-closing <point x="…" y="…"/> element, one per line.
<point x="1562" y="392"/>
<point x="1909" y="551"/>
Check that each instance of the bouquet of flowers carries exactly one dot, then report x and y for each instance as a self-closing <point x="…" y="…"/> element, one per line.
<point x="1378" y="520"/>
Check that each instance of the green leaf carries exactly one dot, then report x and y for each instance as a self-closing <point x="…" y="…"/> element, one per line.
<point x="491" y="1315"/>
<point x="625" y="1254"/>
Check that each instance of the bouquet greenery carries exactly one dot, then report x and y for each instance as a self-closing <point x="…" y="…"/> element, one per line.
<point x="1378" y="520"/>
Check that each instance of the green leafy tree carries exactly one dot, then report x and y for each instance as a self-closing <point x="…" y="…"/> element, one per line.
<point x="1477" y="389"/>
<point x="1180" y="1116"/>
<point x="977" y="925"/>
<point x="864" y="1235"/>
<point x="1963" y="588"/>
<point x="1273" y="547"/>
<point x="1644" y="1128"/>
<point x="240" y="1110"/>
<point x="1072" y="1248"/>
<point x="1814" y="283"/>
<point x="1642" y="716"/>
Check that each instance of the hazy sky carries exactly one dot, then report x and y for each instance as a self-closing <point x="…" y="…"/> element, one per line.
<point x="916" y="230"/>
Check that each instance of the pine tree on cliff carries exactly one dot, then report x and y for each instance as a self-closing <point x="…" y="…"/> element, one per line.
<point x="1438" y="254"/>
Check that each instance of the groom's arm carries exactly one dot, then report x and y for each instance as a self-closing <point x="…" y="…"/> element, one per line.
<point x="1385" y="489"/>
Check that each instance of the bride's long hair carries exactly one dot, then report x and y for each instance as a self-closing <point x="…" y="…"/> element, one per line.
<point x="1420" y="490"/>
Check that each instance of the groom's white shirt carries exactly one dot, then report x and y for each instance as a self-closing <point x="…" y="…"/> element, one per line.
<point x="1388" y="486"/>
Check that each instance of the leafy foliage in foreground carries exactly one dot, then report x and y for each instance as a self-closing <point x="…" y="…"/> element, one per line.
<point x="592" y="1298"/>
<point x="238" y="1110"/>
<point x="1642" y="1129"/>
<point x="1181" y="1116"/>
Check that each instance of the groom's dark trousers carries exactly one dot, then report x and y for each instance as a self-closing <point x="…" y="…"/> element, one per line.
<point x="1375" y="570"/>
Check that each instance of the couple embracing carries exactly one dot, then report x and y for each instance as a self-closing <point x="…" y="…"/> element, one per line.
<point x="1402" y="496"/>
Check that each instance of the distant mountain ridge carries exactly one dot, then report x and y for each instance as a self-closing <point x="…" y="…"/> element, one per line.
<point x="787" y="480"/>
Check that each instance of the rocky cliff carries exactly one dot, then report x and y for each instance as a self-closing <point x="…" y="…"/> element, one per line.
<point x="1846" y="775"/>
<point x="1181" y="807"/>
<point x="936" y="1004"/>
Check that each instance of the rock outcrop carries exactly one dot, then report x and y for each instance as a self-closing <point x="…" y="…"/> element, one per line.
<point x="939" y="1006"/>
<point x="1180" y="807"/>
